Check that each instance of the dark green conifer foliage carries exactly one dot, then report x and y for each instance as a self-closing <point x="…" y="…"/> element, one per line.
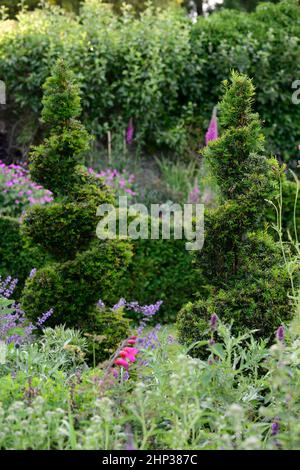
<point x="82" y="268"/>
<point x="246" y="280"/>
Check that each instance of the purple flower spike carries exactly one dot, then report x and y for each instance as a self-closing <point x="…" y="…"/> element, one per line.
<point x="126" y="376"/>
<point x="275" y="427"/>
<point x="213" y="321"/>
<point x="32" y="273"/>
<point x="129" y="132"/>
<point x="100" y="304"/>
<point x="7" y="286"/>
<point x="44" y="317"/>
<point x="120" y="304"/>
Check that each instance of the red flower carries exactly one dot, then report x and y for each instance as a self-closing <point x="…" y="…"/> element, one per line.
<point x="125" y="354"/>
<point x="131" y="350"/>
<point x="131" y="341"/>
<point x="121" y="362"/>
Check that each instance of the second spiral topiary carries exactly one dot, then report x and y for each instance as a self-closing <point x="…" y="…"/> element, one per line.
<point x="245" y="277"/>
<point x="81" y="268"/>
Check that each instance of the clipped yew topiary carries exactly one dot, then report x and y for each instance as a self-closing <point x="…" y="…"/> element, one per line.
<point x="245" y="276"/>
<point x="17" y="255"/>
<point x="83" y="268"/>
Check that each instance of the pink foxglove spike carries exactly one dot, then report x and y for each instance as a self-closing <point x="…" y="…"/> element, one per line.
<point x="212" y="132"/>
<point x="129" y="132"/>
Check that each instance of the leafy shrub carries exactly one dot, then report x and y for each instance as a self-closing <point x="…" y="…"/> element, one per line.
<point x="167" y="83"/>
<point x="64" y="346"/>
<point x="73" y="287"/>
<point x="245" y="276"/>
<point x="84" y="266"/>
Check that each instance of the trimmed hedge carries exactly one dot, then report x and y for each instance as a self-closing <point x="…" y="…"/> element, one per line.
<point x="17" y="255"/>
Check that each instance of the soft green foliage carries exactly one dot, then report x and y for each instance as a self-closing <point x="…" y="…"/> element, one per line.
<point x="169" y="81"/>
<point x="63" y="344"/>
<point x="245" y="276"/>
<point x="85" y="268"/>
<point x="179" y="177"/>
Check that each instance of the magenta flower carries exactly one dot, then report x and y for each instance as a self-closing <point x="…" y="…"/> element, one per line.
<point x="121" y="362"/>
<point x="127" y="355"/>
<point x="131" y="341"/>
<point x="212" y="132"/>
<point x="132" y="351"/>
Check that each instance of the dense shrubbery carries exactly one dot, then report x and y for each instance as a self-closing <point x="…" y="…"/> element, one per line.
<point x="161" y="269"/>
<point x="83" y="267"/>
<point x="245" y="277"/>
<point x="167" y="82"/>
<point x="18" y="256"/>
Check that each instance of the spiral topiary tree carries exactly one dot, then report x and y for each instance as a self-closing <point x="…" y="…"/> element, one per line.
<point x="245" y="276"/>
<point x="81" y="268"/>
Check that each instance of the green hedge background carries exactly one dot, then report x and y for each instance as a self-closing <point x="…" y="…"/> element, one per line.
<point x="160" y="69"/>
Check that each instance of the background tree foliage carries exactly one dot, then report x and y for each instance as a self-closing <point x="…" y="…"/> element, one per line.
<point x="244" y="5"/>
<point x="14" y="6"/>
<point x="74" y="5"/>
<point x="161" y="70"/>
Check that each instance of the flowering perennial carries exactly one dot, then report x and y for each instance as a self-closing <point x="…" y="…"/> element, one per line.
<point x="18" y="191"/>
<point x="212" y="132"/>
<point x="14" y="326"/>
